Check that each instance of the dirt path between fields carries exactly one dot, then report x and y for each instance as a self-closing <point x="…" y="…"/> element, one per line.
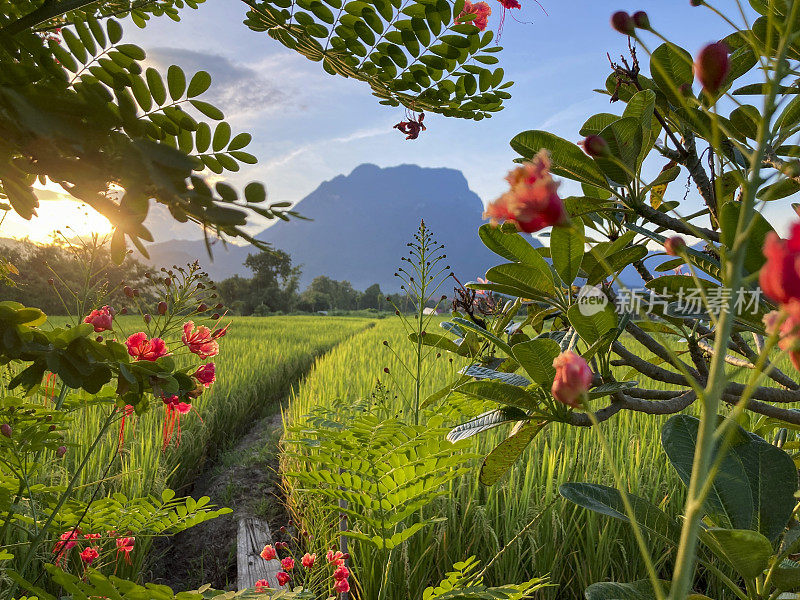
<point x="244" y="478"/>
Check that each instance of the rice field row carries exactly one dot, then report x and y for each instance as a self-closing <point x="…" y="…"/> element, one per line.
<point x="575" y="547"/>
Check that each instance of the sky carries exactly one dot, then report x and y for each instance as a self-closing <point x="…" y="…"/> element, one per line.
<point x="309" y="126"/>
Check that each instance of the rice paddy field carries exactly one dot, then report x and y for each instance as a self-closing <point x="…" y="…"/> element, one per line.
<point x="574" y="546"/>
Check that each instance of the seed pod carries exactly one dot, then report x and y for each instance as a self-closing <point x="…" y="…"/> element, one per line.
<point x="712" y="66"/>
<point x="623" y="22"/>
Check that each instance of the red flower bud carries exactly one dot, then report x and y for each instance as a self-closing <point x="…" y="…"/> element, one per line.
<point x="712" y="66"/>
<point x="5" y="429"/>
<point x="162" y="308"/>
<point x="641" y="20"/>
<point x="674" y="245"/>
<point x="168" y="282"/>
<point x="622" y="22"/>
<point x="215" y="316"/>
<point x="128" y="291"/>
<point x="573" y="378"/>
<point x="147" y="318"/>
<point x="202" y="308"/>
<point x="50" y="281"/>
<point x="124" y="311"/>
<point x="594" y="146"/>
<point x="61" y="451"/>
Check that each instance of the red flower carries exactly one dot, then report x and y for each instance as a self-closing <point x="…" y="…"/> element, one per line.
<point x="335" y="558"/>
<point x="283" y="577"/>
<point x="269" y="553"/>
<point x="89" y="555"/>
<point x="68" y="541"/>
<point x="532" y="202"/>
<point x="287" y="563"/>
<point x="262" y="585"/>
<point x="573" y="378"/>
<point x="481" y="10"/>
<point x="143" y="349"/>
<point x="200" y="340"/>
<point x="172" y="420"/>
<point x="780" y="275"/>
<point x="340" y="573"/>
<point x="341" y="586"/>
<point x="308" y="560"/>
<point x="125" y="545"/>
<point x="206" y="374"/>
<point x="510" y="4"/>
<point x="101" y="319"/>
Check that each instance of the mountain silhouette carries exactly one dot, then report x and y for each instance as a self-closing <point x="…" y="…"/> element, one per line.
<point x="359" y="227"/>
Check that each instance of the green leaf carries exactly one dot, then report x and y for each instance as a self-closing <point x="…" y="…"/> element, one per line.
<point x="536" y="357"/>
<point x="156" y="85"/>
<point x="176" y="82"/>
<point x="222" y="135"/>
<point x="209" y="110"/>
<point x="614" y="263"/>
<point x="747" y="551"/>
<point x="624" y="138"/>
<point x="531" y="280"/>
<point x="567" y="158"/>
<point x="758" y="229"/>
<point x="114" y="30"/>
<point x="671" y="67"/>
<point x="511" y="245"/>
<point x="608" y="501"/>
<point x="596" y="123"/>
<point x="499" y="392"/>
<point x="567" y="245"/>
<point x="484" y="422"/>
<point x="199" y="83"/>
<point x="506" y="453"/>
<point x="725" y="501"/>
<point x="591" y="327"/>
<point x="745" y="119"/>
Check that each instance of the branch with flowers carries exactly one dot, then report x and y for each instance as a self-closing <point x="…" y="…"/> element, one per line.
<point x="709" y="325"/>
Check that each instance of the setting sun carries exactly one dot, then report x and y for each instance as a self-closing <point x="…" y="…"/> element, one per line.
<point x="57" y="211"/>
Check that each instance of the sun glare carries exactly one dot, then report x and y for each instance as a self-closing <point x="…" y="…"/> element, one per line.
<point x="56" y="211"/>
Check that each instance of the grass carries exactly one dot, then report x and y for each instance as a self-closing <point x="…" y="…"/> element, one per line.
<point x="574" y="546"/>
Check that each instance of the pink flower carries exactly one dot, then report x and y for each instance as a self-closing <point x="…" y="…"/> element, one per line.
<point x="573" y="378"/>
<point x="143" y="349"/>
<point x="269" y="553"/>
<point x="262" y="585"/>
<point x="532" y="201"/>
<point x="89" y="555"/>
<point x="481" y="10"/>
<point x="335" y="558"/>
<point x="283" y="577"/>
<point x="780" y="275"/>
<point x="308" y="560"/>
<point x="341" y="586"/>
<point x="789" y="331"/>
<point x="206" y="374"/>
<point x="510" y="4"/>
<point x="340" y="573"/>
<point x="200" y="340"/>
<point x="125" y="545"/>
<point x="287" y="563"/>
<point x="101" y="319"/>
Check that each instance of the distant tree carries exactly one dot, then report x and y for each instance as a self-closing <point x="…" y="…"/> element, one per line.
<point x="372" y="297"/>
<point x="235" y="293"/>
<point x="313" y="301"/>
<point x="275" y="280"/>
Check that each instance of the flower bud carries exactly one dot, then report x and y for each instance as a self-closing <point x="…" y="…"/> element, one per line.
<point x="61" y="451"/>
<point x="162" y="308"/>
<point x="712" y="66"/>
<point x="622" y="22"/>
<point x="5" y="429"/>
<point x="641" y="20"/>
<point x="674" y="245"/>
<point x="202" y="308"/>
<point x="147" y="318"/>
<point x="50" y="281"/>
<point x="124" y="311"/>
<point x="128" y="291"/>
<point x="168" y="282"/>
<point x="594" y="146"/>
<point x="99" y="339"/>
<point x="215" y="316"/>
<point x="573" y="378"/>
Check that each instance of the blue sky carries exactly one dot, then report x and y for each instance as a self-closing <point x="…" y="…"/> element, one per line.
<point x="309" y="126"/>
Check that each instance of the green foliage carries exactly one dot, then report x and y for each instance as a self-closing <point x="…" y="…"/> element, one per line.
<point x="462" y="583"/>
<point x="414" y="54"/>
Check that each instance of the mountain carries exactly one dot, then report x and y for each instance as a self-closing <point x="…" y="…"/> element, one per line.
<point x="360" y="224"/>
